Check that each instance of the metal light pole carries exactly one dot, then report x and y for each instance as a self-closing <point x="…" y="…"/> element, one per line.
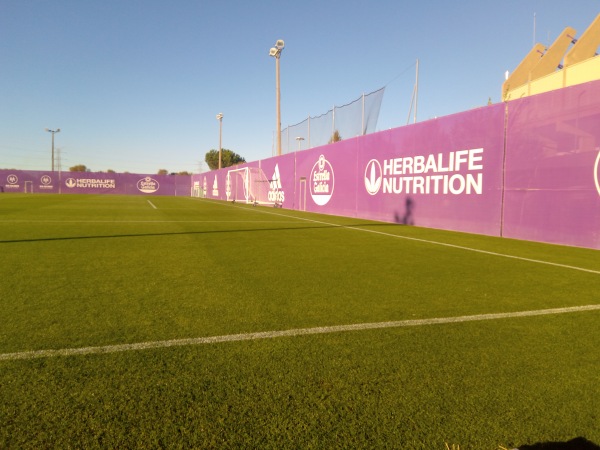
<point x="53" y="131"/>
<point x="275" y="52"/>
<point x="299" y="139"/>
<point x="220" y="119"/>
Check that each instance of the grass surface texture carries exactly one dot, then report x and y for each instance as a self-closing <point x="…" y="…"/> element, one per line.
<point x="172" y="322"/>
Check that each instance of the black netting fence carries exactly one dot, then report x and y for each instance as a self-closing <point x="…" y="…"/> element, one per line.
<point x="356" y="118"/>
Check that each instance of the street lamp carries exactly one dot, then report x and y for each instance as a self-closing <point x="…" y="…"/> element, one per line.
<point x="220" y="119"/>
<point x="299" y="139"/>
<point x="275" y="52"/>
<point x="53" y="131"/>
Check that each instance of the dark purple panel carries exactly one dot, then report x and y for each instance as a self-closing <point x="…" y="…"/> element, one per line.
<point x="443" y="173"/>
<point x="553" y="148"/>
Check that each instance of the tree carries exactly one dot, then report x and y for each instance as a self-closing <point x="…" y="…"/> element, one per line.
<point x="110" y="171"/>
<point x="163" y="172"/>
<point x="228" y="158"/>
<point x="79" y="168"/>
<point x="335" y="137"/>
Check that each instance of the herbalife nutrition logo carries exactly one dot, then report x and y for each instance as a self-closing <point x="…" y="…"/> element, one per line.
<point x="457" y="172"/>
<point x="322" y="181"/>
<point x="373" y="177"/>
<point x="276" y="193"/>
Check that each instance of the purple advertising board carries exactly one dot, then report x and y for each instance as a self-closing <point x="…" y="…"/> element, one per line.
<point x="280" y="173"/>
<point x="93" y="183"/>
<point x="327" y="178"/>
<point x="528" y="169"/>
<point x="442" y="173"/>
<point x="552" y="191"/>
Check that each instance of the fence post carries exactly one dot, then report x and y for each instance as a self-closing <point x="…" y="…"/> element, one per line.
<point x="333" y="122"/>
<point x="362" y="124"/>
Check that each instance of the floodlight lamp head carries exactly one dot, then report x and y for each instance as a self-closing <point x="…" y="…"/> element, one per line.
<point x="273" y="52"/>
<point x="58" y="130"/>
<point x="219" y="116"/>
<point x="280" y="44"/>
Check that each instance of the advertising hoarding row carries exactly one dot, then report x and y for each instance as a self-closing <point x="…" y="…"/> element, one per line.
<point x="93" y="183"/>
<point x="528" y="169"/>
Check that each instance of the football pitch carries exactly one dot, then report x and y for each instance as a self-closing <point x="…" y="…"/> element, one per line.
<point x="175" y="322"/>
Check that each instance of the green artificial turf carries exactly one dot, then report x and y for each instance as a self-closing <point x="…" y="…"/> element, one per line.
<point x="87" y="271"/>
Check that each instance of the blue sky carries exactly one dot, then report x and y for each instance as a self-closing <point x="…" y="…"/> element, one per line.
<point x="135" y="85"/>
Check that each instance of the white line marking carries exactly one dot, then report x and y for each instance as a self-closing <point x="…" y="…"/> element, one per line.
<point x="149" y="221"/>
<point x="444" y="244"/>
<point x="152" y="204"/>
<point x="286" y="333"/>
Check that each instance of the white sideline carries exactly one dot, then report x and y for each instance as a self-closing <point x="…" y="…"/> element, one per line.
<point x="285" y="333"/>
<point x="444" y="244"/>
<point x="152" y="204"/>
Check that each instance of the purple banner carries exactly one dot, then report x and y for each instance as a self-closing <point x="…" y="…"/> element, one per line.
<point x="281" y="173"/>
<point x="443" y="173"/>
<point x="93" y="183"/>
<point x="552" y="191"/>
<point x="535" y="177"/>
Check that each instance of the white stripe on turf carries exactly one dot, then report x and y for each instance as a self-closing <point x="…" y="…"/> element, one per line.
<point x="285" y="333"/>
<point x="444" y="244"/>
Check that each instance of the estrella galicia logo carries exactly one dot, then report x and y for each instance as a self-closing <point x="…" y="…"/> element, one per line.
<point x="321" y="181"/>
<point x="148" y="185"/>
<point x="597" y="173"/>
<point x="46" y="180"/>
<point x="373" y="177"/>
<point x="12" y="179"/>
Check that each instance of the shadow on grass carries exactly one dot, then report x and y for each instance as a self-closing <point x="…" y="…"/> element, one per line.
<point x="574" y="444"/>
<point x="187" y="233"/>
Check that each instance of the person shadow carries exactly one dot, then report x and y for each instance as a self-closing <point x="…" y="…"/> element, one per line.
<point x="578" y="443"/>
<point x="407" y="218"/>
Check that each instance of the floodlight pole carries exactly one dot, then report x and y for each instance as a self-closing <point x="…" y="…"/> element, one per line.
<point x="299" y="139"/>
<point x="278" y="102"/>
<point x="220" y="119"/>
<point x="276" y="53"/>
<point x="53" y="131"/>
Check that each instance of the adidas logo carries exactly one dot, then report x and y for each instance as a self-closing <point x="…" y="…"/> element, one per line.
<point x="276" y="193"/>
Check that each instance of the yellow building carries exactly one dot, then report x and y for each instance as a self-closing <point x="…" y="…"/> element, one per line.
<point x="567" y="62"/>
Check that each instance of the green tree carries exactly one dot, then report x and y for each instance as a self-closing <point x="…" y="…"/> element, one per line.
<point x="79" y="168"/>
<point x="228" y="158"/>
<point x="335" y="137"/>
<point x="110" y="171"/>
<point x="162" y="172"/>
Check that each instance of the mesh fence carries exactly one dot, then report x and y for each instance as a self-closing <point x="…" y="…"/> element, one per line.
<point x="356" y="118"/>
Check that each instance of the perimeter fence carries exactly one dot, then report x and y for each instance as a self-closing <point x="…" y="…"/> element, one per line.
<point x="356" y="118"/>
